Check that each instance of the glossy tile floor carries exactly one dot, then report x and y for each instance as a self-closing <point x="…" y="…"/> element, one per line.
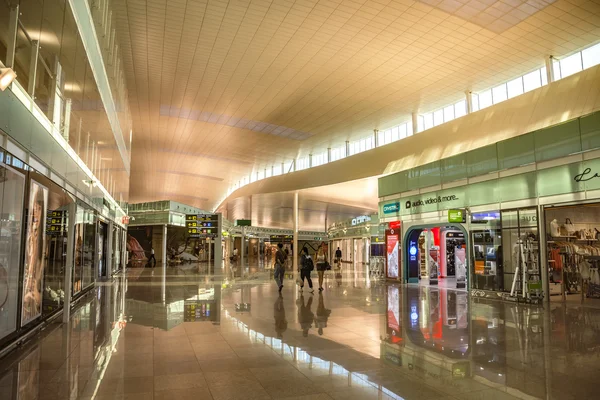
<point x="184" y="335"/>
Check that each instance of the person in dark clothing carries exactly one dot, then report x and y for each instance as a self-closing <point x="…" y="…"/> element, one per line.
<point x="152" y="259"/>
<point x="305" y="314"/>
<point x="280" y="258"/>
<point x="306" y="266"/>
<point x="338" y="257"/>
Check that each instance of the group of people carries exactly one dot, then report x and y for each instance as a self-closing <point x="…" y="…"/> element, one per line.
<point x="307" y="265"/>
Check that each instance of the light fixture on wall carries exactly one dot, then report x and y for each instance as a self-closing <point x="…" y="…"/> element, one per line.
<point x="7" y="76"/>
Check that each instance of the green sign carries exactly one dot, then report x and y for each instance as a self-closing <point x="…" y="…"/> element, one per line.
<point x="457" y="216"/>
<point x="243" y="222"/>
<point x="318" y="238"/>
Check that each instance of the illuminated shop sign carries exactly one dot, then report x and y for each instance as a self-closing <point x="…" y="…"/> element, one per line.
<point x="360" y="220"/>
<point x="391" y="208"/>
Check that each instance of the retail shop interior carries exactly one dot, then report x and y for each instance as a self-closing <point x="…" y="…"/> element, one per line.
<point x="437" y="256"/>
<point x="506" y="253"/>
<point x="573" y="234"/>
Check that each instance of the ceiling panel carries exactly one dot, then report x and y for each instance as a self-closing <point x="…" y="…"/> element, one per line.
<point x="259" y="82"/>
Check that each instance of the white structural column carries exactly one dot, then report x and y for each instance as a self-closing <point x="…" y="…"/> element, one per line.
<point x="164" y="247"/>
<point x="296" y="250"/>
<point x="243" y="247"/>
<point x="415" y="122"/>
<point x="219" y="243"/>
<point x="67" y="285"/>
<point x="550" y="69"/>
<point x="469" y="101"/>
<point x="329" y="154"/>
<point x="347" y="154"/>
<point x="376" y="137"/>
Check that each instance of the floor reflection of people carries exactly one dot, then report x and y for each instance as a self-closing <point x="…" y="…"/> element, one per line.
<point x="305" y="314"/>
<point x="322" y="315"/>
<point x="279" y="315"/>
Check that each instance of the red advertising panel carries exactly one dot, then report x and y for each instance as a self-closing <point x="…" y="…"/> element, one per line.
<point x="392" y="260"/>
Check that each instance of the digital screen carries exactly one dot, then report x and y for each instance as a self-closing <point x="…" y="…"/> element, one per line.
<point x="484" y="217"/>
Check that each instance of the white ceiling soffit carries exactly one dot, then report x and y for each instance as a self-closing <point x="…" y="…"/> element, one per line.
<point x="549" y="105"/>
<point x="266" y="81"/>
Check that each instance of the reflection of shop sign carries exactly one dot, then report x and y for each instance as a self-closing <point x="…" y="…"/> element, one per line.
<point x="457" y="216"/>
<point x="56" y="222"/>
<point x="202" y="225"/>
<point x="391" y="208"/>
<point x="242" y="307"/>
<point x="360" y="220"/>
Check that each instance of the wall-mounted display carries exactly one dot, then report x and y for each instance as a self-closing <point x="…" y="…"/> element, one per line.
<point x="35" y="246"/>
<point x="392" y="244"/>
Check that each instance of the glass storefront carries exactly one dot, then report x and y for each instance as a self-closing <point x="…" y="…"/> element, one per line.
<point x="12" y="191"/>
<point x="573" y="261"/>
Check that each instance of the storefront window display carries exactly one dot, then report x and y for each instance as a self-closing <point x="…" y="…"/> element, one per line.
<point x="35" y="252"/>
<point x="520" y="253"/>
<point x="87" y="247"/>
<point x="12" y="190"/>
<point x="486" y="239"/>
<point x="573" y="234"/>
<point x="56" y="245"/>
<point x="437" y="256"/>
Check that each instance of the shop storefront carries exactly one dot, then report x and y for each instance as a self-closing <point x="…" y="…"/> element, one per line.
<point x="34" y="216"/>
<point x="361" y="243"/>
<point x="522" y="216"/>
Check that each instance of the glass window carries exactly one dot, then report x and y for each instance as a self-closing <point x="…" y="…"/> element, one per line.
<point x="460" y="109"/>
<point x="395" y="134"/>
<point x="485" y="99"/>
<point x="499" y="93"/>
<point x="591" y="56"/>
<point x="428" y="121"/>
<point x="363" y="145"/>
<point x="544" y="76"/>
<point x="276" y="170"/>
<point x="12" y="188"/>
<point x="557" y="70"/>
<point x="381" y="138"/>
<point x="475" y="101"/>
<point x="268" y="173"/>
<point x="388" y="136"/>
<point x="571" y="65"/>
<point x="402" y="132"/>
<point x="532" y="80"/>
<point x="515" y="87"/>
<point x="449" y="113"/>
<point x="261" y="175"/>
<point x="287" y="167"/>
<point x="438" y="117"/>
<point x="420" y="123"/>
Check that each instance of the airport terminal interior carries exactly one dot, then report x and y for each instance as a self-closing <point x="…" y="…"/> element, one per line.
<point x="299" y="199"/>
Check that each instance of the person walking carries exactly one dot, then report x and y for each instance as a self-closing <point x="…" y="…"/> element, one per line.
<point x="152" y="259"/>
<point x="338" y="257"/>
<point x="280" y="258"/>
<point x="306" y="266"/>
<point x="321" y="265"/>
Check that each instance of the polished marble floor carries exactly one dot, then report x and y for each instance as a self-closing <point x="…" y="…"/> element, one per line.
<point x="181" y="334"/>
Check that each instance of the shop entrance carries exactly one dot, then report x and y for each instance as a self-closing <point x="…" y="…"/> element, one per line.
<point x="436" y="255"/>
<point x="573" y="249"/>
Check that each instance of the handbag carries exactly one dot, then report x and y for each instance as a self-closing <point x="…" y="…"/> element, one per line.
<point x="327" y="266"/>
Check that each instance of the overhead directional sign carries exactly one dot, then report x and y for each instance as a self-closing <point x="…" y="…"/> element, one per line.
<point x="202" y="225"/>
